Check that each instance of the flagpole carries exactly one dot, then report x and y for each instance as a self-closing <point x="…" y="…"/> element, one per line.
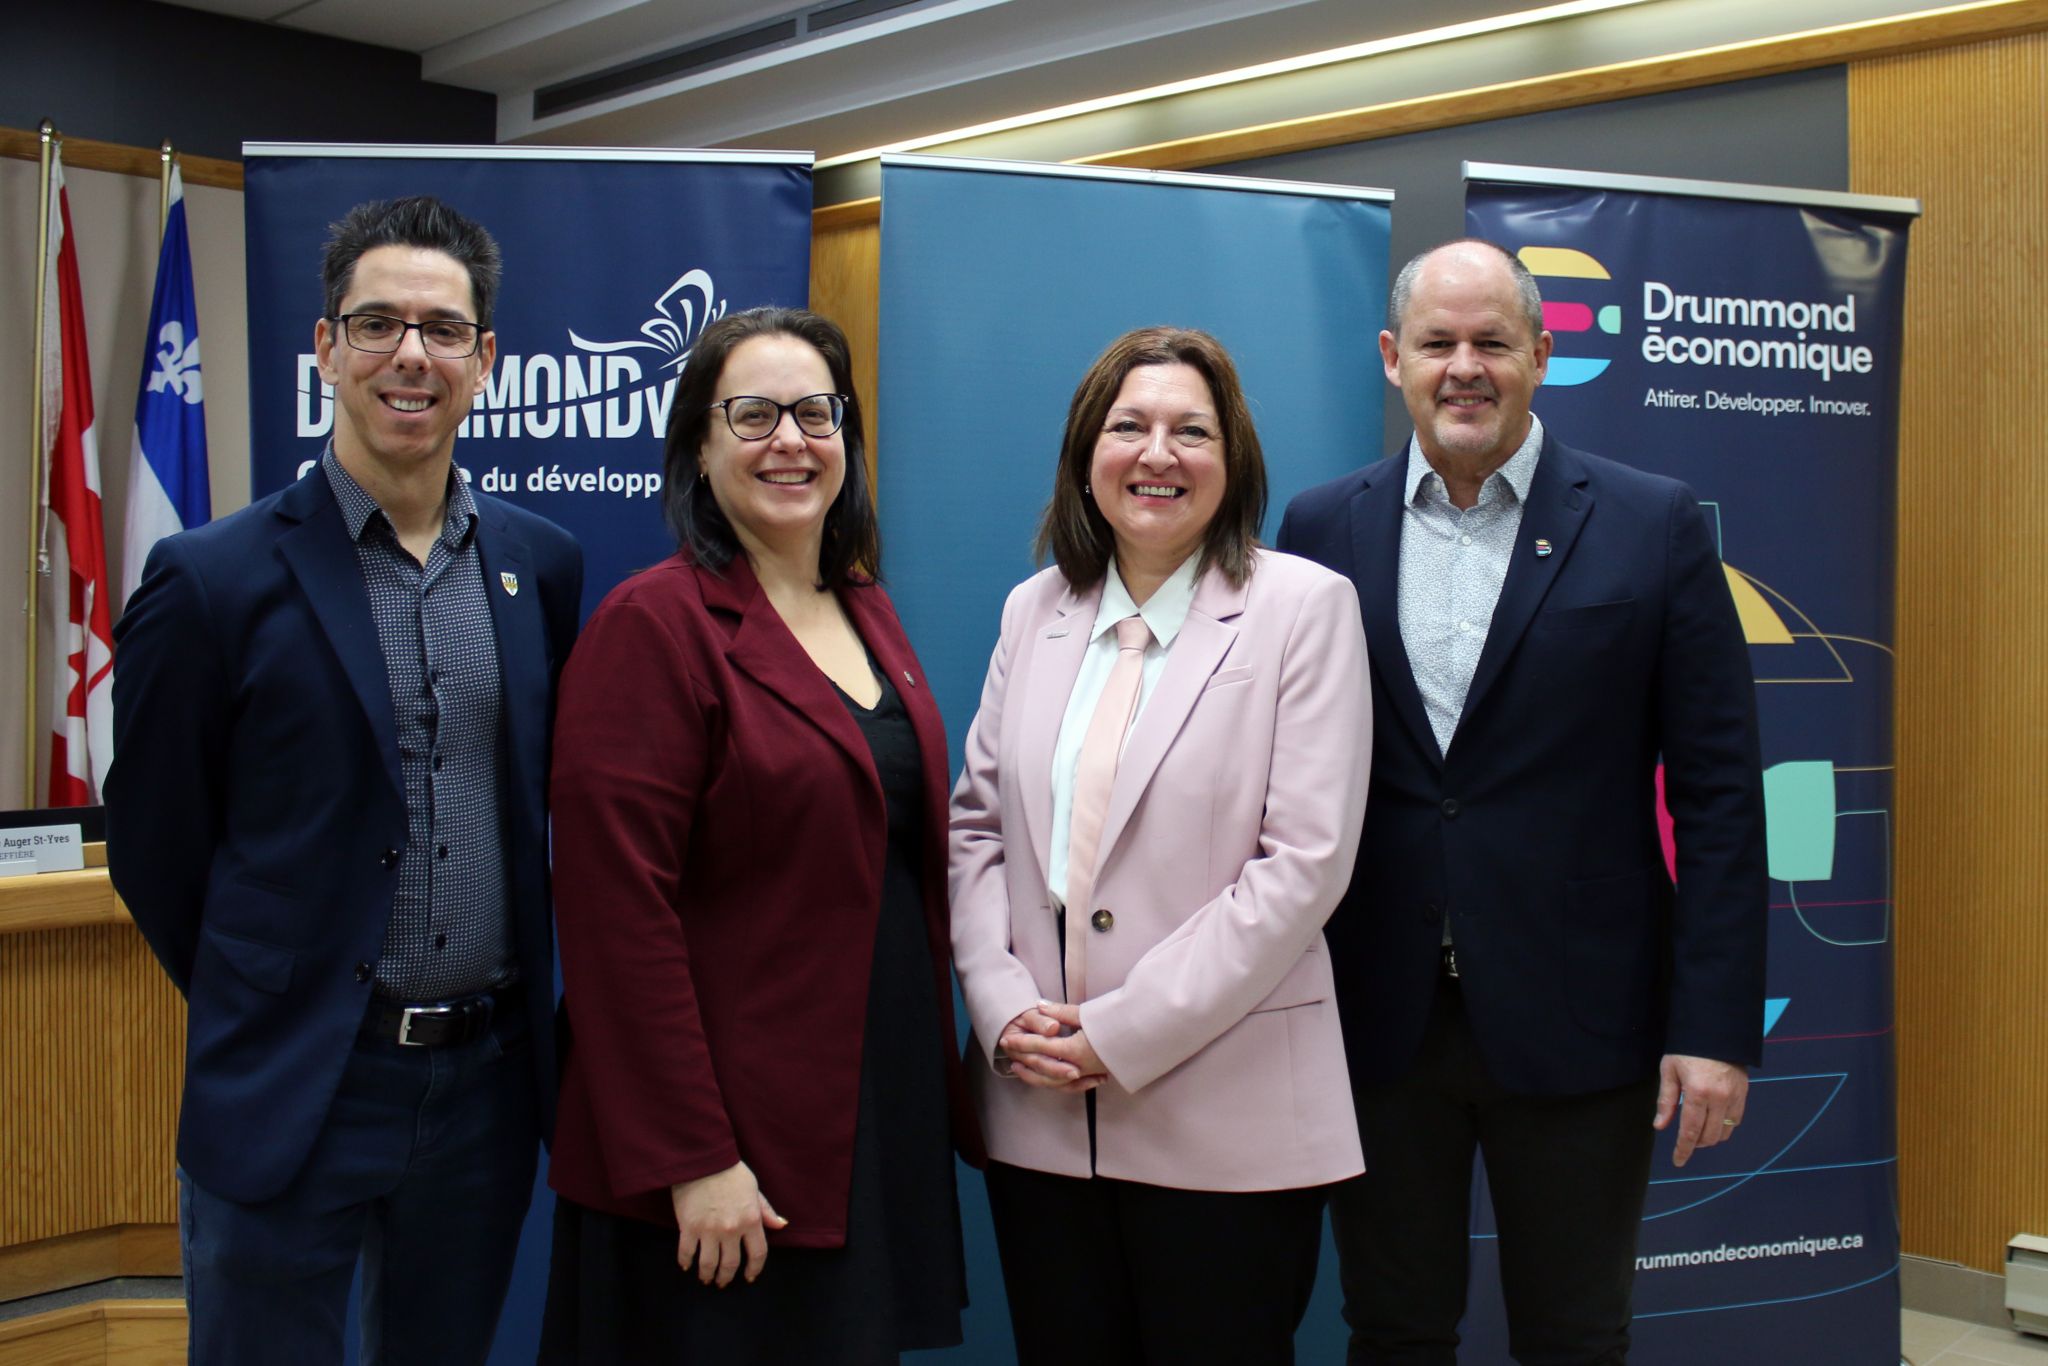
<point x="38" y="453"/>
<point x="163" y="189"/>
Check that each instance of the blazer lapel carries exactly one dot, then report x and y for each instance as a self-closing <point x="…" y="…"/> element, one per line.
<point x="1376" y="559"/>
<point x="1043" y="686"/>
<point x="321" y="557"/>
<point x="1204" y="639"/>
<point x="514" y="596"/>
<point x="1558" y="503"/>
<point x="764" y="650"/>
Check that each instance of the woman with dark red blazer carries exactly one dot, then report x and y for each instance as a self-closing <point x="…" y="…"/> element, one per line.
<point x="749" y="797"/>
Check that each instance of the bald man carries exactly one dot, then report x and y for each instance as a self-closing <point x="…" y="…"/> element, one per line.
<point x="1517" y="973"/>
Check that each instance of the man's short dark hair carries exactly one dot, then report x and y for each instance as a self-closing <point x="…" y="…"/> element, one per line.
<point x="415" y="221"/>
<point x="852" y="540"/>
<point x="1525" y="284"/>
<point x="1073" y="530"/>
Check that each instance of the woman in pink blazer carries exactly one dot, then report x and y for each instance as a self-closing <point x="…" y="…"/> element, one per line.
<point x="1160" y="1077"/>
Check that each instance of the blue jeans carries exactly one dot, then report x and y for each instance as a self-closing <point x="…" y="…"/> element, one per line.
<point x="424" y="1170"/>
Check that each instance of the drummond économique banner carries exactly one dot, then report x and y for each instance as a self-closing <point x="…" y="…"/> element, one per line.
<point x="615" y="261"/>
<point x="1746" y="340"/>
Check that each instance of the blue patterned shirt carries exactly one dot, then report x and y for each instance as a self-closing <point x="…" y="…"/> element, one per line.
<point x="1453" y="563"/>
<point x="449" y="933"/>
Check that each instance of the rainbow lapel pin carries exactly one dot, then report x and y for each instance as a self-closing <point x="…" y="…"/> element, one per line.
<point x="1543" y="547"/>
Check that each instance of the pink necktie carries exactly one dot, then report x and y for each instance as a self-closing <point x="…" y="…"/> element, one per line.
<point x="1094" y="772"/>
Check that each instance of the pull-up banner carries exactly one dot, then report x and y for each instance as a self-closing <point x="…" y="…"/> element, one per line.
<point x="1746" y="340"/>
<point x="1001" y="283"/>
<point x="615" y="261"/>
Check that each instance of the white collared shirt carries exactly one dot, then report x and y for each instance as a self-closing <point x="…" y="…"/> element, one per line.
<point x="1453" y="563"/>
<point x="1165" y="612"/>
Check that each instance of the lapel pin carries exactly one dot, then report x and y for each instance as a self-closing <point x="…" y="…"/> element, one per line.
<point x="908" y="679"/>
<point x="511" y="581"/>
<point x="1542" y="547"/>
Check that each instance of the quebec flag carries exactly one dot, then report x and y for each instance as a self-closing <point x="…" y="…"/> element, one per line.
<point x="167" y="489"/>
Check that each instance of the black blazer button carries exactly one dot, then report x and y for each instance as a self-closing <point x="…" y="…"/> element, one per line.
<point x="1450" y="808"/>
<point x="362" y="972"/>
<point x="1103" y="921"/>
<point x="389" y="858"/>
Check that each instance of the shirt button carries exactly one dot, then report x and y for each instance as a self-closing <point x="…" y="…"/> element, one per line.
<point x="1464" y="540"/>
<point x="1464" y="626"/>
<point x="1450" y="808"/>
<point x="1103" y="921"/>
<point x="389" y="858"/>
<point x="362" y="972"/>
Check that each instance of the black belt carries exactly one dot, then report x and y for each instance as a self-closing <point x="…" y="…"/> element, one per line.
<point x="438" y="1024"/>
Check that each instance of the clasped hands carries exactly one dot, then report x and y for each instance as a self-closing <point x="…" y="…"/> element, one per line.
<point x="1048" y="1048"/>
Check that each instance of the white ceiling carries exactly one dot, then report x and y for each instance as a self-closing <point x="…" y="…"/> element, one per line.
<point x="929" y="67"/>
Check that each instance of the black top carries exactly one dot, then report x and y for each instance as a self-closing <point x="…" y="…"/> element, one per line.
<point x="903" y="1087"/>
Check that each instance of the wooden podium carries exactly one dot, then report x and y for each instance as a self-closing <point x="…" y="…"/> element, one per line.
<point x="92" y="1049"/>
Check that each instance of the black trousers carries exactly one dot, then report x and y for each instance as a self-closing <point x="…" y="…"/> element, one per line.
<point x="1115" y="1273"/>
<point x="1567" y="1175"/>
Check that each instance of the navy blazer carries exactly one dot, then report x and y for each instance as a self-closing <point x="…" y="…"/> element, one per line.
<point x="1536" y="834"/>
<point x="256" y="816"/>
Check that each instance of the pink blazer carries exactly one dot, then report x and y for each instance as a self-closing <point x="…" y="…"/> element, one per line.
<point x="1230" y="836"/>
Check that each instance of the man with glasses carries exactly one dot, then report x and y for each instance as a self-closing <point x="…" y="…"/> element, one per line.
<point x="328" y="819"/>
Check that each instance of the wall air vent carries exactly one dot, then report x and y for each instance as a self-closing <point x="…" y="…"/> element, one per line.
<point x="787" y="31"/>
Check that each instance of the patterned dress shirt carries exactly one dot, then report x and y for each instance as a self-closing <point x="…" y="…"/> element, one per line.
<point x="449" y="932"/>
<point x="1453" y="562"/>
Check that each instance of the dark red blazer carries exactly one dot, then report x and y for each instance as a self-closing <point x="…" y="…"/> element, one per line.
<point x="719" y="840"/>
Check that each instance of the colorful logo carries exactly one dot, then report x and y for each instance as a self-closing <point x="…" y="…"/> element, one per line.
<point x="1581" y="326"/>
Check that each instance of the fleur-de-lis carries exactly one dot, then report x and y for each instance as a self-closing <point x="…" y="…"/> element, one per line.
<point x="177" y="363"/>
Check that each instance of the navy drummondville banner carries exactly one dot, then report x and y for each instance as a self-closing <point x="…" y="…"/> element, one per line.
<point x="1746" y="341"/>
<point x="1001" y="283"/>
<point x="615" y="261"/>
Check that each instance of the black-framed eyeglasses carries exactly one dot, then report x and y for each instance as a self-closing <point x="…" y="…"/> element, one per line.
<point x="753" y="418"/>
<point x="443" y="338"/>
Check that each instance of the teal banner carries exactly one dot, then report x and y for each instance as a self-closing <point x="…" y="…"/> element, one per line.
<point x="1001" y="283"/>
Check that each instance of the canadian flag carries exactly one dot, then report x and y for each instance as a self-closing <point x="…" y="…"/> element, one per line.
<point x="74" y="622"/>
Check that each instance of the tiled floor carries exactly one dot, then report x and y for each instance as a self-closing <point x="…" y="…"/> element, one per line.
<point x="1934" y="1341"/>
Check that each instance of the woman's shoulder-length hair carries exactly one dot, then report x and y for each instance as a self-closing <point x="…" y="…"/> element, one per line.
<point x="851" y="554"/>
<point x="1075" y="535"/>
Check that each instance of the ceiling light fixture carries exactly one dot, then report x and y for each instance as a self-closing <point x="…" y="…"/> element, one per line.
<point x="1447" y="33"/>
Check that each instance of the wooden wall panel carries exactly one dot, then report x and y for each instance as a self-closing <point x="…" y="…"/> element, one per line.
<point x="1965" y="129"/>
<point x="846" y="266"/>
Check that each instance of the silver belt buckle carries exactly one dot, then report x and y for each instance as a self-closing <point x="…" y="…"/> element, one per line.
<point x="411" y="1013"/>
